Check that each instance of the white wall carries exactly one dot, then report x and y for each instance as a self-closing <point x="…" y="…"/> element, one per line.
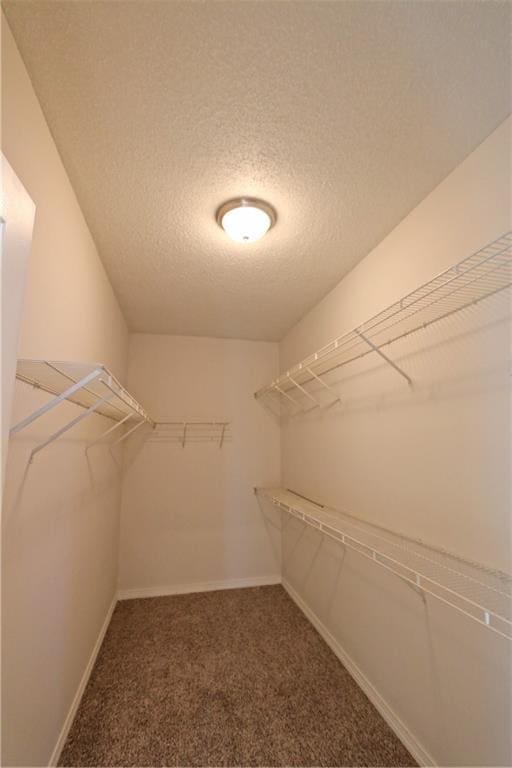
<point x="189" y="515"/>
<point x="60" y="514"/>
<point x="431" y="461"/>
<point x="17" y="211"/>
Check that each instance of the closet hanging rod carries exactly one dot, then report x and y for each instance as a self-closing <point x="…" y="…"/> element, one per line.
<point x="480" y="276"/>
<point x="480" y="593"/>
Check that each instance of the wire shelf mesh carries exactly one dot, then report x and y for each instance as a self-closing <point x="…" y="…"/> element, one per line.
<point x="481" y="593"/>
<point x="480" y="276"/>
<point x="56" y="377"/>
<point x="184" y="432"/>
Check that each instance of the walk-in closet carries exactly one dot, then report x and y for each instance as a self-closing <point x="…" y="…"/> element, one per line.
<point x="256" y="383"/>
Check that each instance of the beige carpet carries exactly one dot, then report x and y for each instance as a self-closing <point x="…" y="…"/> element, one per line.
<point x="231" y="678"/>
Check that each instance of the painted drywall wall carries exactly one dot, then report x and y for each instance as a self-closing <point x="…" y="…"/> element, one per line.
<point x="189" y="515"/>
<point x="60" y="514"/>
<point x="17" y="212"/>
<point x="431" y="461"/>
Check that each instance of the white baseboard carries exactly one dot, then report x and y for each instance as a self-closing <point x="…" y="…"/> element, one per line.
<point x="54" y="759"/>
<point x="416" y="749"/>
<point x="205" y="586"/>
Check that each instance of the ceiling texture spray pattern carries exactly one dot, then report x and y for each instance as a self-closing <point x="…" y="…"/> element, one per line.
<point x="343" y="115"/>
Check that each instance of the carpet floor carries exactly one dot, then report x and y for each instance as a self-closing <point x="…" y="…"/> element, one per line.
<point x="230" y="678"/>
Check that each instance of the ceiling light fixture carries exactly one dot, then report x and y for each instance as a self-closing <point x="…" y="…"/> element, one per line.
<point x="245" y="219"/>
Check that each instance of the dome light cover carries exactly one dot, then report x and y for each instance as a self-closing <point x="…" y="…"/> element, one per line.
<point x="245" y="219"/>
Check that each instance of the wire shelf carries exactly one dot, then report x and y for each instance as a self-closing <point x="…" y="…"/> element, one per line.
<point x="95" y="389"/>
<point x="89" y="385"/>
<point x="55" y="377"/>
<point x="184" y="432"/>
<point x="481" y="593"/>
<point x="477" y="277"/>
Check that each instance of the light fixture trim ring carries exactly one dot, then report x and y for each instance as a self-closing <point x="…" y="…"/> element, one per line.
<point x="241" y="202"/>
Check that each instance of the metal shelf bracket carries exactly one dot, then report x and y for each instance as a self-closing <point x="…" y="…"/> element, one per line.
<point x="56" y="401"/>
<point x="70" y="424"/>
<point x="109" y="431"/>
<point x="384" y="357"/>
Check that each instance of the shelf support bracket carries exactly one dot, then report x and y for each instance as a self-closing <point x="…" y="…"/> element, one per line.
<point x="127" y="434"/>
<point x="308" y="395"/>
<point x="385" y="357"/>
<point x="56" y="400"/>
<point x="289" y="397"/>
<point x="222" y="435"/>
<point x="70" y="424"/>
<point x="111" y="429"/>
<point x="184" y="438"/>
<point x="322" y="382"/>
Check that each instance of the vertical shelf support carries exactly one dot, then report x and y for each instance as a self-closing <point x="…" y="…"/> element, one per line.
<point x="385" y="357"/>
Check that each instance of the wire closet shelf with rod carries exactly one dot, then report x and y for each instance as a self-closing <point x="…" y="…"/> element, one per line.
<point x="95" y="389"/>
<point x="481" y="593"/>
<point x="91" y="386"/>
<point x="185" y="432"/>
<point x="478" y="277"/>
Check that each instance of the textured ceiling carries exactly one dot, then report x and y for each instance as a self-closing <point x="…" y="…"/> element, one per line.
<point x="343" y="115"/>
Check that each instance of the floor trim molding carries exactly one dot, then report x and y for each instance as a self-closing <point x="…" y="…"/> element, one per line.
<point x="416" y="749"/>
<point x="54" y="759"/>
<point x="205" y="586"/>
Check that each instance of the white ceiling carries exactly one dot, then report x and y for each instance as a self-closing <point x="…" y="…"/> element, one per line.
<point x="343" y="115"/>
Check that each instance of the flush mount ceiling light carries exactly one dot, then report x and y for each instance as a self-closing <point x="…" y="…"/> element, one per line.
<point x="245" y="219"/>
